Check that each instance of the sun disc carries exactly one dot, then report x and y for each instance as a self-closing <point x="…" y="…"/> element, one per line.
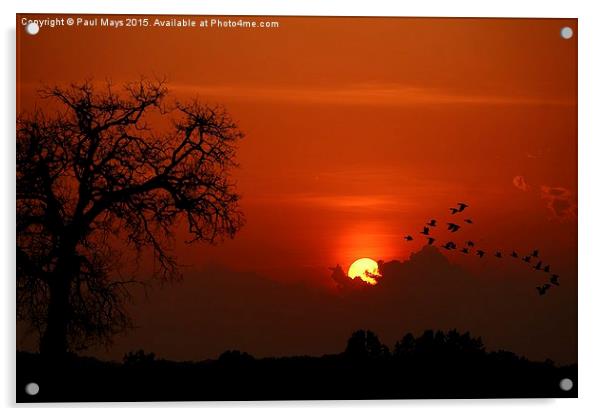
<point x="364" y="268"/>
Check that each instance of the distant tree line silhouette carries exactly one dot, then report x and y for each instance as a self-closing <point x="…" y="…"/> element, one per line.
<point x="436" y="364"/>
<point x="364" y="344"/>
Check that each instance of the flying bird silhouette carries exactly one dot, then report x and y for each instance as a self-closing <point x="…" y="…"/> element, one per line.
<point x="452" y="227"/>
<point x="537" y="264"/>
<point x="543" y="289"/>
<point x="450" y="245"/>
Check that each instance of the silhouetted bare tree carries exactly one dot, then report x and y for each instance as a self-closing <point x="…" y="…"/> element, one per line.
<point x="93" y="178"/>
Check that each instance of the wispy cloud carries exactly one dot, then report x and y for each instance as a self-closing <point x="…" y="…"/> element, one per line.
<point x="363" y="94"/>
<point x="336" y="202"/>
<point x="348" y="201"/>
<point x="519" y="182"/>
<point x="559" y="201"/>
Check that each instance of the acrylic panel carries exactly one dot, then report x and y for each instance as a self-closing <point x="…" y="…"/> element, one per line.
<point x="291" y="208"/>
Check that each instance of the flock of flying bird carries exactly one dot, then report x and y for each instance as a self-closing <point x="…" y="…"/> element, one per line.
<point x="531" y="259"/>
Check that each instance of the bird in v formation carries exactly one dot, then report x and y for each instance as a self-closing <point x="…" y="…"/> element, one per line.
<point x="451" y="245"/>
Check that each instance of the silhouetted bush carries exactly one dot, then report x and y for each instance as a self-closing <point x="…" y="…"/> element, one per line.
<point x="235" y="357"/>
<point x="139" y="358"/>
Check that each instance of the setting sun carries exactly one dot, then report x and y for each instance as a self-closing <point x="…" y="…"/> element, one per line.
<point x="365" y="269"/>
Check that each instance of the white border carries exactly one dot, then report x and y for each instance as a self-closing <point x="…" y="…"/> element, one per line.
<point x="590" y="172"/>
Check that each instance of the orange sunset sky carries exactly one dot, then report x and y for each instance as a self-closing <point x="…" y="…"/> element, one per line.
<point x="357" y="131"/>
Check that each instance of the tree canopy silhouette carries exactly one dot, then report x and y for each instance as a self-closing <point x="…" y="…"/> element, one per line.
<point x="365" y="345"/>
<point x="94" y="178"/>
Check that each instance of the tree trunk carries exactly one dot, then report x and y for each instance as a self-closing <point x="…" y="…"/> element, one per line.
<point x="53" y="343"/>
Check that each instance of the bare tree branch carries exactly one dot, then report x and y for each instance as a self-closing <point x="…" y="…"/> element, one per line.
<point x="114" y="166"/>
